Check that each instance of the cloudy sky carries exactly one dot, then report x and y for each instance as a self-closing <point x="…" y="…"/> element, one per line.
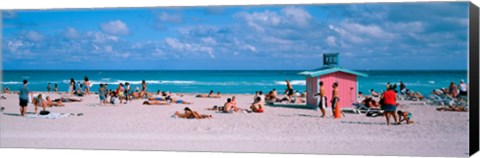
<point x="367" y="36"/>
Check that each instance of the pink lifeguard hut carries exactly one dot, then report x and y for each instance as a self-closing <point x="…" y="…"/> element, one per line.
<point x="329" y="74"/>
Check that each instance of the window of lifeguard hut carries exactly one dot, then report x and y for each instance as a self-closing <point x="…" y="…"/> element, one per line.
<point x="330" y="60"/>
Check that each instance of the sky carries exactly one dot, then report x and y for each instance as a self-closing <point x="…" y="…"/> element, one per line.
<point x="374" y="36"/>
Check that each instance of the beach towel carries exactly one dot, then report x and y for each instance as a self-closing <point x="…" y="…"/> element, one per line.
<point x="51" y="115"/>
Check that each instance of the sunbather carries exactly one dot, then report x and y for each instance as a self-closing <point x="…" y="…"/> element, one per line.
<point x="374" y="94"/>
<point x="156" y="103"/>
<point x="50" y="103"/>
<point x="189" y="114"/>
<point x="67" y="100"/>
<point x="209" y="95"/>
<point x="404" y="116"/>
<point x="453" y="108"/>
<point x="179" y="101"/>
<point x="257" y="106"/>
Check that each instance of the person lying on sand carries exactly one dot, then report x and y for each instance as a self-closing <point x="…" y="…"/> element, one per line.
<point x="453" y="108"/>
<point x="179" y="101"/>
<point x="209" y="95"/>
<point x="50" y="103"/>
<point x="189" y="114"/>
<point x="257" y="106"/>
<point x="63" y="99"/>
<point x="155" y="102"/>
<point x="404" y="116"/>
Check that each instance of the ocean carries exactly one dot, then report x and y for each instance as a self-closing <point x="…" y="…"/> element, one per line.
<point x="238" y="82"/>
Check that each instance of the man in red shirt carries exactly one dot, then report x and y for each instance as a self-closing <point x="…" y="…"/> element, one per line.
<point x="390" y="104"/>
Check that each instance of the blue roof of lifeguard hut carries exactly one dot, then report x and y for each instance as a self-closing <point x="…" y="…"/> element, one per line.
<point x="327" y="70"/>
<point x="330" y="65"/>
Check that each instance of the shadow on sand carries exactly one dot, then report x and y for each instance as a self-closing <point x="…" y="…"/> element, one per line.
<point x="17" y="114"/>
<point x="293" y="106"/>
<point x="364" y="123"/>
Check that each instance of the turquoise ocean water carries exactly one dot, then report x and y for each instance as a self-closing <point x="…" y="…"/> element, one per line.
<point x="240" y="82"/>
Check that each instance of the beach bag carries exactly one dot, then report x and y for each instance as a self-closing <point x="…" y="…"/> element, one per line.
<point x="44" y="112"/>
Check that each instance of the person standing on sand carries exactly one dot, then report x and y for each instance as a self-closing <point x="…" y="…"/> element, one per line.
<point x="335" y="101"/>
<point x="23" y="97"/>
<point x="127" y="91"/>
<point x="120" y="92"/>
<point x="453" y="91"/>
<point x="49" y="87"/>
<point x="289" y="90"/>
<point x="403" y="88"/>
<point x="55" y="88"/>
<point x="463" y="87"/>
<point x="102" y="93"/>
<point x="323" y="99"/>
<point x="87" y="85"/>
<point x="390" y="104"/>
<point x="71" y="87"/>
<point x="144" y="89"/>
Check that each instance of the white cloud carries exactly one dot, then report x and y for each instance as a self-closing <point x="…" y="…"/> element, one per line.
<point x="331" y="41"/>
<point x="71" y="33"/>
<point x="34" y="36"/>
<point x="209" y="40"/>
<point x="98" y="37"/>
<point x="188" y="49"/>
<point x="297" y="15"/>
<point x="116" y="27"/>
<point x="173" y="18"/>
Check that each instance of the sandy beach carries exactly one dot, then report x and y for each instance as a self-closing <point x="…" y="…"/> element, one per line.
<point x="134" y="126"/>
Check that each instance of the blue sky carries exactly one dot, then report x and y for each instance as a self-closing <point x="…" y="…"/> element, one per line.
<point x="279" y="37"/>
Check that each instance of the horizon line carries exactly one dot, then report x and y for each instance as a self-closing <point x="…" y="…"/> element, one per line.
<point x="227" y="70"/>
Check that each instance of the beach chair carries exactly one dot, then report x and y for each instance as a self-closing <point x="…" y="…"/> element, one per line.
<point x="361" y="109"/>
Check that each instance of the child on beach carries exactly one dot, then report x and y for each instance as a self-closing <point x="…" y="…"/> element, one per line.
<point x="404" y="116"/>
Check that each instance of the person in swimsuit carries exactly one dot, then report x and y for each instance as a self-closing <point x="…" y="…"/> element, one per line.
<point x="463" y="87"/>
<point x="127" y="92"/>
<point x="335" y="100"/>
<point x="390" y="104"/>
<point x="189" y="114"/>
<point x="453" y="91"/>
<point x="179" y="101"/>
<point x="323" y="99"/>
<point x="257" y="106"/>
<point x="62" y="99"/>
<point x="120" y="91"/>
<point x="289" y="90"/>
<point x="87" y="85"/>
<point x="55" y="87"/>
<point x="404" y="116"/>
<point x="156" y="102"/>
<point x="38" y="101"/>
<point x="50" y="103"/>
<point x="71" y="87"/>
<point x="143" y="93"/>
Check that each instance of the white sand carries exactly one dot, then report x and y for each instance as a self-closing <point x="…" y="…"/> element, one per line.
<point x="279" y="130"/>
